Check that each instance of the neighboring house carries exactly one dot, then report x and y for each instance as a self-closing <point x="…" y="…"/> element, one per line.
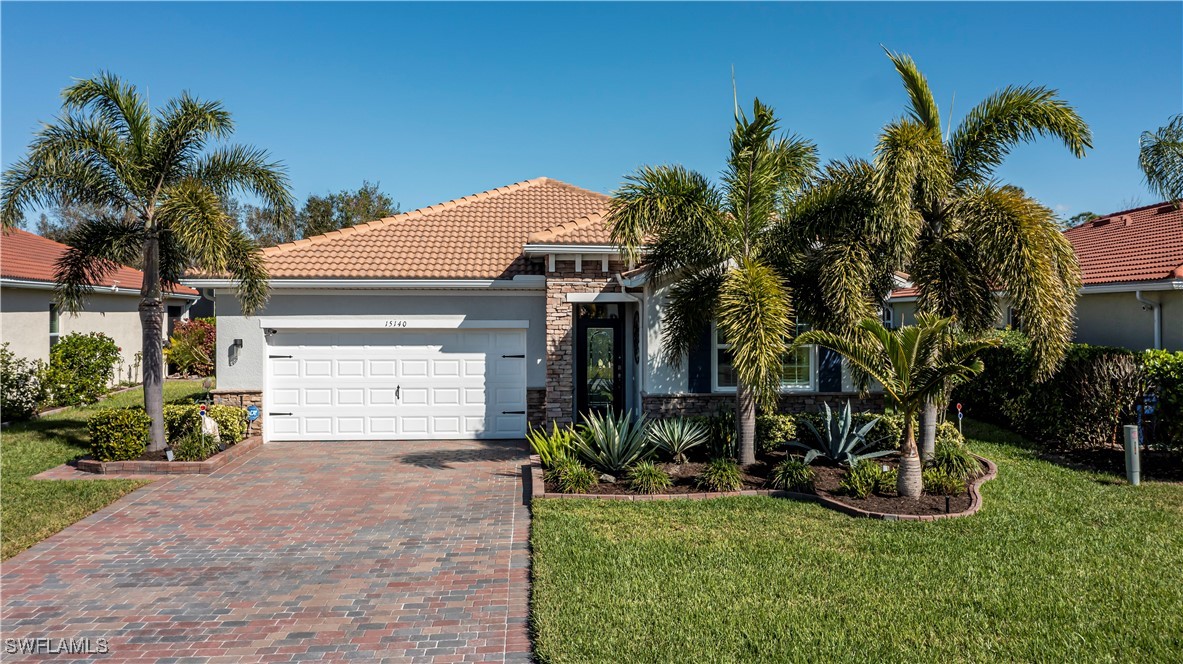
<point x="470" y="319"/>
<point x="1131" y="266"/>
<point x="30" y="322"/>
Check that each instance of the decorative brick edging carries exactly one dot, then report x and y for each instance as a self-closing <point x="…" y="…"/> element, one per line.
<point x="538" y="490"/>
<point x="174" y="467"/>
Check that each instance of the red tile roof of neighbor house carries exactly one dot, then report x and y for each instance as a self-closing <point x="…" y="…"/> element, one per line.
<point x="475" y="237"/>
<point x="1143" y="244"/>
<point x="30" y="257"/>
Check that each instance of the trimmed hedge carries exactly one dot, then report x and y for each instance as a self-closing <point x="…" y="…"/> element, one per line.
<point x="81" y="368"/>
<point x="1083" y="404"/>
<point x="22" y="388"/>
<point x="180" y="421"/>
<point x="118" y="434"/>
<point x="1164" y="371"/>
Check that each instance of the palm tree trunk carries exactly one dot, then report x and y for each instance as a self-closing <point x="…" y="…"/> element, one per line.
<point x="152" y="324"/>
<point x="909" y="482"/>
<point x="745" y="424"/>
<point x="928" y="432"/>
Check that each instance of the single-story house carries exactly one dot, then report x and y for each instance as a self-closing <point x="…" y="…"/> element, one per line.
<point x="471" y="319"/>
<point x="1131" y="266"/>
<point x="30" y="322"/>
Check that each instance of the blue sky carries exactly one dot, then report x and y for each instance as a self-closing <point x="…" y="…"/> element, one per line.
<point x="437" y="101"/>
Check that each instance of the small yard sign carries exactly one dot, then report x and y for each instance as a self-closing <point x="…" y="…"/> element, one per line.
<point x="252" y="413"/>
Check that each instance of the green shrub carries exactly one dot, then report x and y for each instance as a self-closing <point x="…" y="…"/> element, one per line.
<point x="792" y="474"/>
<point x="862" y="479"/>
<point x="677" y="436"/>
<point x="889" y="433"/>
<point x="552" y="446"/>
<point x="774" y="431"/>
<point x="1164" y="371"/>
<point x="720" y="428"/>
<point x="887" y="483"/>
<point x="570" y="476"/>
<point x="182" y="420"/>
<point x="953" y="459"/>
<point x="1001" y="391"/>
<point x="721" y="475"/>
<point x="938" y="482"/>
<point x="22" y="390"/>
<point x="646" y="477"/>
<point x="81" y="368"/>
<point x="192" y="347"/>
<point x="194" y="447"/>
<point x="612" y="443"/>
<point x="118" y="434"/>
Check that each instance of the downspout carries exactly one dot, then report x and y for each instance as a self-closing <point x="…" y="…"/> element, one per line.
<point x="1156" y="307"/>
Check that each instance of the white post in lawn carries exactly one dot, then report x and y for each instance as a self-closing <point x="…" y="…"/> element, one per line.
<point x="1133" y="461"/>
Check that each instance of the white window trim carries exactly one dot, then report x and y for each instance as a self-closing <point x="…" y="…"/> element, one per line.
<point x="784" y="389"/>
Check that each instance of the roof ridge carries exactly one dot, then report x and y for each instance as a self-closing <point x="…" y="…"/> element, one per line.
<point x="1137" y="209"/>
<point x="413" y="214"/>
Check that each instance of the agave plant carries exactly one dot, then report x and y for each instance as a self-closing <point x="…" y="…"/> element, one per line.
<point x="840" y="441"/>
<point x="676" y="436"/>
<point x="612" y="443"/>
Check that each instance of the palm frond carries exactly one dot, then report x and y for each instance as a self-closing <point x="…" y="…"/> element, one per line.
<point x="1160" y="155"/>
<point x="116" y="102"/>
<point x="1007" y="118"/>
<point x="755" y="315"/>
<point x="952" y="281"/>
<point x="1026" y="254"/>
<point x="690" y="308"/>
<point x="921" y="107"/>
<point x="865" y="351"/>
<point x="194" y="215"/>
<point x="98" y="247"/>
<point x="912" y="171"/>
<point x="186" y="125"/>
<point x="240" y="169"/>
<point x="246" y="266"/>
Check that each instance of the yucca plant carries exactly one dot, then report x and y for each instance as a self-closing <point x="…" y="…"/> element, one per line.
<point x="612" y="443"/>
<point x="839" y="440"/>
<point x="553" y="446"/>
<point x="676" y="436"/>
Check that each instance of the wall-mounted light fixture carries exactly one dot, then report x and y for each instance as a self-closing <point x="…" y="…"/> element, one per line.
<point x="235" y="349"/>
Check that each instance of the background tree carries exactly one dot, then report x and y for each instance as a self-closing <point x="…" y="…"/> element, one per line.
<point x="1079" y="218"/>
<point x="716" y="244"/>
<point x="914" y="364"/>
<point x="931" y="204"/>
<point x="1160" y="155"/>
<point x="109" y="150"/>
<point x="319" y="215"/>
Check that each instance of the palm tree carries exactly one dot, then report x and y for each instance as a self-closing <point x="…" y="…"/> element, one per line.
<point x="109" y="150"/>
<point x="1160" y="155"/>
<point x="716" y="240"/>
<point x="930" y="206"/>
<point x="914" y="364"/>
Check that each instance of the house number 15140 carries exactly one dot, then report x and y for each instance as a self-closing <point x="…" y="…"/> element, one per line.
<point x="396" y="323"/>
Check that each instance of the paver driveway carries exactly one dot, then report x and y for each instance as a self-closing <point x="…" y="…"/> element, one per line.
<point x="360" y="551"/>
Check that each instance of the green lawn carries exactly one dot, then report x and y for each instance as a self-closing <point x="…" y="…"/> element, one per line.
<point x="31" y="510"/>
<point x="1060" y="565"/>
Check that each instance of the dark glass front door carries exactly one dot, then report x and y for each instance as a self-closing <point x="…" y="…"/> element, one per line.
<point x="599" y="365"/>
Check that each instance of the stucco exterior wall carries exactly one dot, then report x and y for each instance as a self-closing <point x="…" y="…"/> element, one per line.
<point x="661" y="377"/>
<point x="1119" y="319"/>
<point x="24" y="324"/>
<point x="247" y="372"/>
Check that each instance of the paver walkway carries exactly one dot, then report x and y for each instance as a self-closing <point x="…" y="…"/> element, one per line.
<point x="363" y="551"/>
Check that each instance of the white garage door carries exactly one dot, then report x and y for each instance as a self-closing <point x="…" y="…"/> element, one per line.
<point x="396" y="385"/>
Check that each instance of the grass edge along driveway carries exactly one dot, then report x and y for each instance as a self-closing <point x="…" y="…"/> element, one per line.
<point x="1060" y="565"/>
<point x="32" y="510"/>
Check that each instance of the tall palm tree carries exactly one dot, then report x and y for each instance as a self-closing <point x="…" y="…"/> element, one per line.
<point x="1160" y="155"/>
<point x="109" y="150"/>
<point x="914" y="364"/>
<point x="716" y="240"/>
<point x="931" y="206"/>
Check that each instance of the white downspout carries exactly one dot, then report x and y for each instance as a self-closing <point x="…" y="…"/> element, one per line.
<point x="1156" y="307"/>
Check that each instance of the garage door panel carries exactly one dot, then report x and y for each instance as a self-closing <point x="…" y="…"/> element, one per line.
<point x="396" y="384"/>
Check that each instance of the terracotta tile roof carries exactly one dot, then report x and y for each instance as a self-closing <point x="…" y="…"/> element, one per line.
<point x="475" y="237"/>
<point x="589" y="229"/>
<point x="30" y="257"/>
<point x="1143" y="244"/>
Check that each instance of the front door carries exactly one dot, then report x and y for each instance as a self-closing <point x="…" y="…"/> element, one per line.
<point x="599" y="365"/>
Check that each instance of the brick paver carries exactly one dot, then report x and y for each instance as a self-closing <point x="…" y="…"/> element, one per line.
<point x="364" y="551"/>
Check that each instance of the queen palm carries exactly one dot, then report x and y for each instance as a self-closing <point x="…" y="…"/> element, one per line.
<point x="914" y="364"/>
<point x="960" y="234"/>
<point x="110" y="151"/>
<point x="1160" y="155"/>
<point x="715" y="241"/>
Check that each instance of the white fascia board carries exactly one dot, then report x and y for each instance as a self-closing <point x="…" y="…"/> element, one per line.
<point x="520" y="282"/>
<point x="392" y="323"/>
<point x="537" y="249"/>
<point x="585" y="298"/>
<point x="1131" y="286"/>
<point x="97" y="290"/>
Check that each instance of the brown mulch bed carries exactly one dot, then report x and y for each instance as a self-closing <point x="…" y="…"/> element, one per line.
<point x="1157" y="465"/>
<point x="826" y="480"/>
